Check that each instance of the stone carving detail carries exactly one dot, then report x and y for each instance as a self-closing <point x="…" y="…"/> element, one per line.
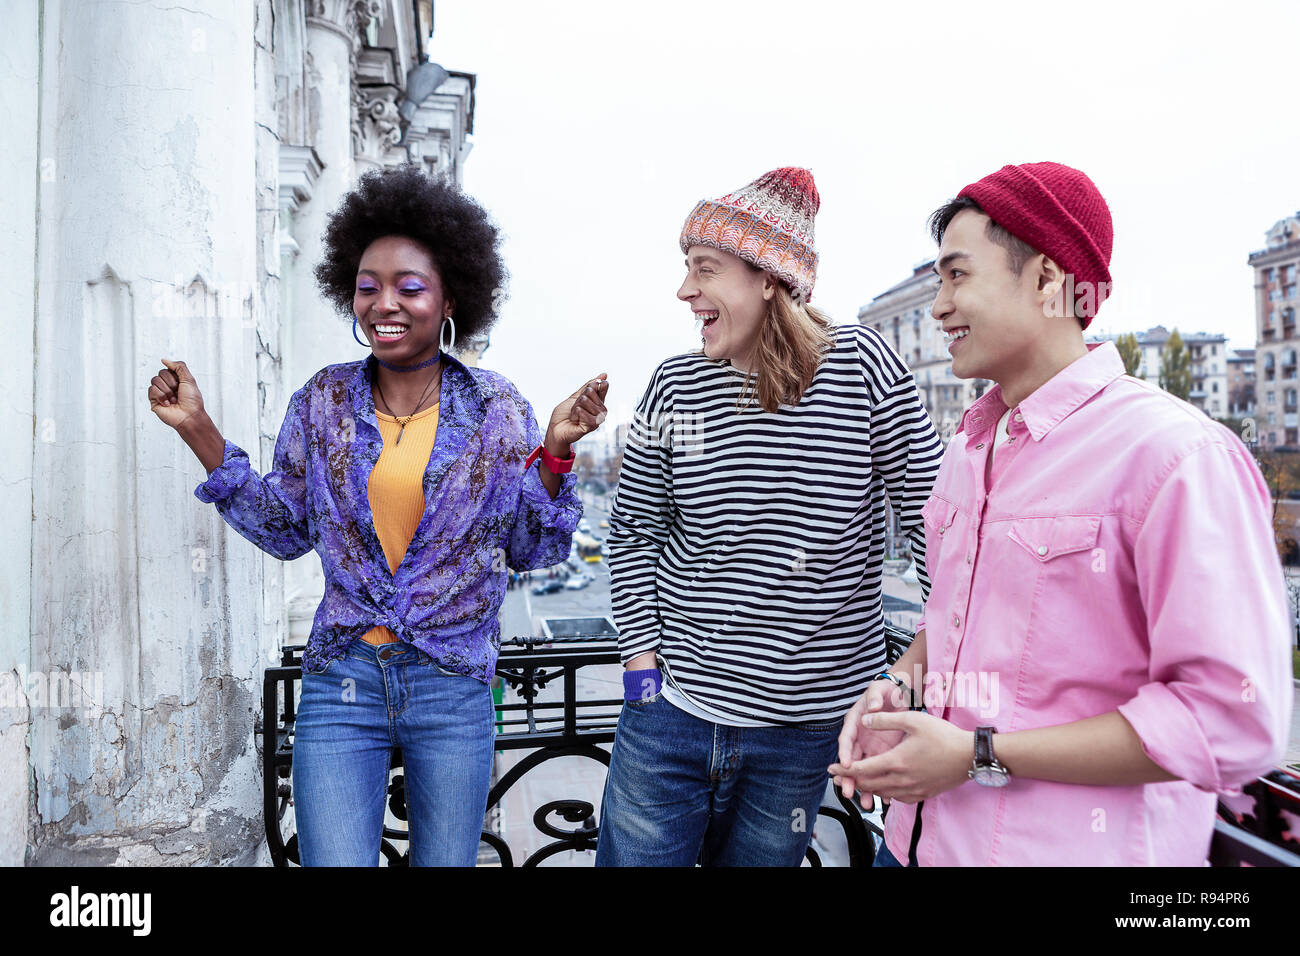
<point x="376" y="123"/>
<point x="350" y="16"/>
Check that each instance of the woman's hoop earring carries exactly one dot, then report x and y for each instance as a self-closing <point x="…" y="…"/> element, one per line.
<point x="357" y="337"/>
<point x="442" y="343"/>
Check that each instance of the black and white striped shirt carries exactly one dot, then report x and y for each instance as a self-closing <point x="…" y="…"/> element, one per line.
<point x="746" y="548"/>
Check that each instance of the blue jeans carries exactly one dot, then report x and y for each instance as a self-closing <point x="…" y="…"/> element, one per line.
<point x="885" y="858"/>
<point x="682" y="789"/>
<point x="351" y="715"/>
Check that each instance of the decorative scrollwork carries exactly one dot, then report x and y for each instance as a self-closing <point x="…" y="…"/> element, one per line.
<point x="857" y="832"/>
<point x="1262" y="831"/>
<point x="574" y="811"/>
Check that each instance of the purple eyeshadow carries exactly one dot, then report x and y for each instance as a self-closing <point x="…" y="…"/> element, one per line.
<point x="409" y="288"/>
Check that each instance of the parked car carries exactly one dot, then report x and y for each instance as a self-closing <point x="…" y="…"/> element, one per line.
<point x="584" y="526"/>
<point x="548" y="587"/>
<point x="577" y="582"/>
<point x="604" y="523"/>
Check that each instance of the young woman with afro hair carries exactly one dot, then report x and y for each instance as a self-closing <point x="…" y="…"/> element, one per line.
<point x="419" y="482"/>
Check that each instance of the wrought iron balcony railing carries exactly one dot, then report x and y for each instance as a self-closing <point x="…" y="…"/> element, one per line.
<point x="1261" y="828"/>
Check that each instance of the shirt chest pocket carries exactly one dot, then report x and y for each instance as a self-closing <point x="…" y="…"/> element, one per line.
<point x="944" y="548"/>
<point x="938" y="515"/>
<point x="1054" y="585"/>
<point x="1055" y="536"/>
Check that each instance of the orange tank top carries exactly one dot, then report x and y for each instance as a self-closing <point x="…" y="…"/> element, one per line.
<point x="396" y="491"/>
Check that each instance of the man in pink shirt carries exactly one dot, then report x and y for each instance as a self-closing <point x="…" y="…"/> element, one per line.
<point x="1106" y="641"/>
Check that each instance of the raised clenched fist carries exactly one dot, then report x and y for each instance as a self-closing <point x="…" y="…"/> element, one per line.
<point x="174" y="395"/>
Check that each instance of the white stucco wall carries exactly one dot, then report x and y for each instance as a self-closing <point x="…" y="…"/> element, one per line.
<point x="145" y="239"/>
<point x="147" y="149"/>
<point x="20" y="168"/>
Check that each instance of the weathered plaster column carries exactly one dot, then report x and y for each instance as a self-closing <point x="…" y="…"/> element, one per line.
<point x="20" y="167"/>
<point x="146" y="249"/>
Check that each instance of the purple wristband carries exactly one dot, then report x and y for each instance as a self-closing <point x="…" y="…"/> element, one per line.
<point x="641" y="685"/>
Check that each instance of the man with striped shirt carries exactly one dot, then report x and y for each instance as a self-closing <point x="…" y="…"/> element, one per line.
<point x="747" y="542"/>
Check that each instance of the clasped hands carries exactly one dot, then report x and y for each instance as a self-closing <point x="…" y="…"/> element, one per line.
<point x="899" y="754"/>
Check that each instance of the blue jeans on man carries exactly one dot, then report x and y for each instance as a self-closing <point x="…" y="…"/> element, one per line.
<point x="683" y="790"/>
<point x="885" y="858"/>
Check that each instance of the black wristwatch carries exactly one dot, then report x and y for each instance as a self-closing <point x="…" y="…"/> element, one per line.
<point x="987" y="772"/>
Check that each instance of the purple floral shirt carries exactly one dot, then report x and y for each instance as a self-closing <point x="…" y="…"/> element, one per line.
<point x="483" y="513"/>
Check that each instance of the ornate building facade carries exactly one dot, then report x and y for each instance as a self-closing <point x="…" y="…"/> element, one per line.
<point x="902" y="315"/>
<point x="182" y="165"/>
<point x="1277" y="300"/>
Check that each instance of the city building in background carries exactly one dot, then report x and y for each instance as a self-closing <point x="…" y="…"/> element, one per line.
<point x="1208" y="362"/>
<point x="1241" y="383"/>
<point x="1209" y="366"/>
<point x="1276" y="341"/>
<point x="902" y="315"/>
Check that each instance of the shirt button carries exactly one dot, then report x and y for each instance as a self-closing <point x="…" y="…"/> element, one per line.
<point x="968" y="559"/>
<point x="979" y="446"/>
<point x="1042" y="549"/>
<point x="1018" y="418"/>
<point x="956" y="620"/>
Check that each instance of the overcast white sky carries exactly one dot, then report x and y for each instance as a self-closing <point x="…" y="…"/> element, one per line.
<point x="599" y="125"/>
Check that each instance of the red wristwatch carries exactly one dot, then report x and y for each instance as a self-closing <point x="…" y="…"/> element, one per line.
<point x="558" y="466"/>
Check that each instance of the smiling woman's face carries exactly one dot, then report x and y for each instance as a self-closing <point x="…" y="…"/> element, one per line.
<point x="730" y="298"/>
<point x="400" y="292"/>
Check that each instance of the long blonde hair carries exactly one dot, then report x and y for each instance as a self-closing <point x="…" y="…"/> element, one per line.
<point x="791" y="342"/>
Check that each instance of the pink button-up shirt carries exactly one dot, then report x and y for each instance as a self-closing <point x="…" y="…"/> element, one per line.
<point x="1120" y="557"/>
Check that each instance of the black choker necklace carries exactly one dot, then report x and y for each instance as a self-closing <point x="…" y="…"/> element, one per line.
<point x="406" y="368"/>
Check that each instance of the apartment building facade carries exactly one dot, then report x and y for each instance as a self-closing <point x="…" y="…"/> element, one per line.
<point x="1277" y="298"/>
<point x="902" y="315"/>
<point x="1208" y="363"/>
<point x="1241" y="383"/>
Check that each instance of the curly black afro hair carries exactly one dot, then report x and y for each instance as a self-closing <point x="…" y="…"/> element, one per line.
<point x="406" y="201"/>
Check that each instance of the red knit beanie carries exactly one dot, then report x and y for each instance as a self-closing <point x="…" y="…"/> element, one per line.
<point x="1059" y="211"/>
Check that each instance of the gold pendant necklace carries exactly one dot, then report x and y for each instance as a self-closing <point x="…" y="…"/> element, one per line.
<point x="403" y="424"/>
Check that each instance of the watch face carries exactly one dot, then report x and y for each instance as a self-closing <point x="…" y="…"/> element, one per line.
<point x="988" y="777"/>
